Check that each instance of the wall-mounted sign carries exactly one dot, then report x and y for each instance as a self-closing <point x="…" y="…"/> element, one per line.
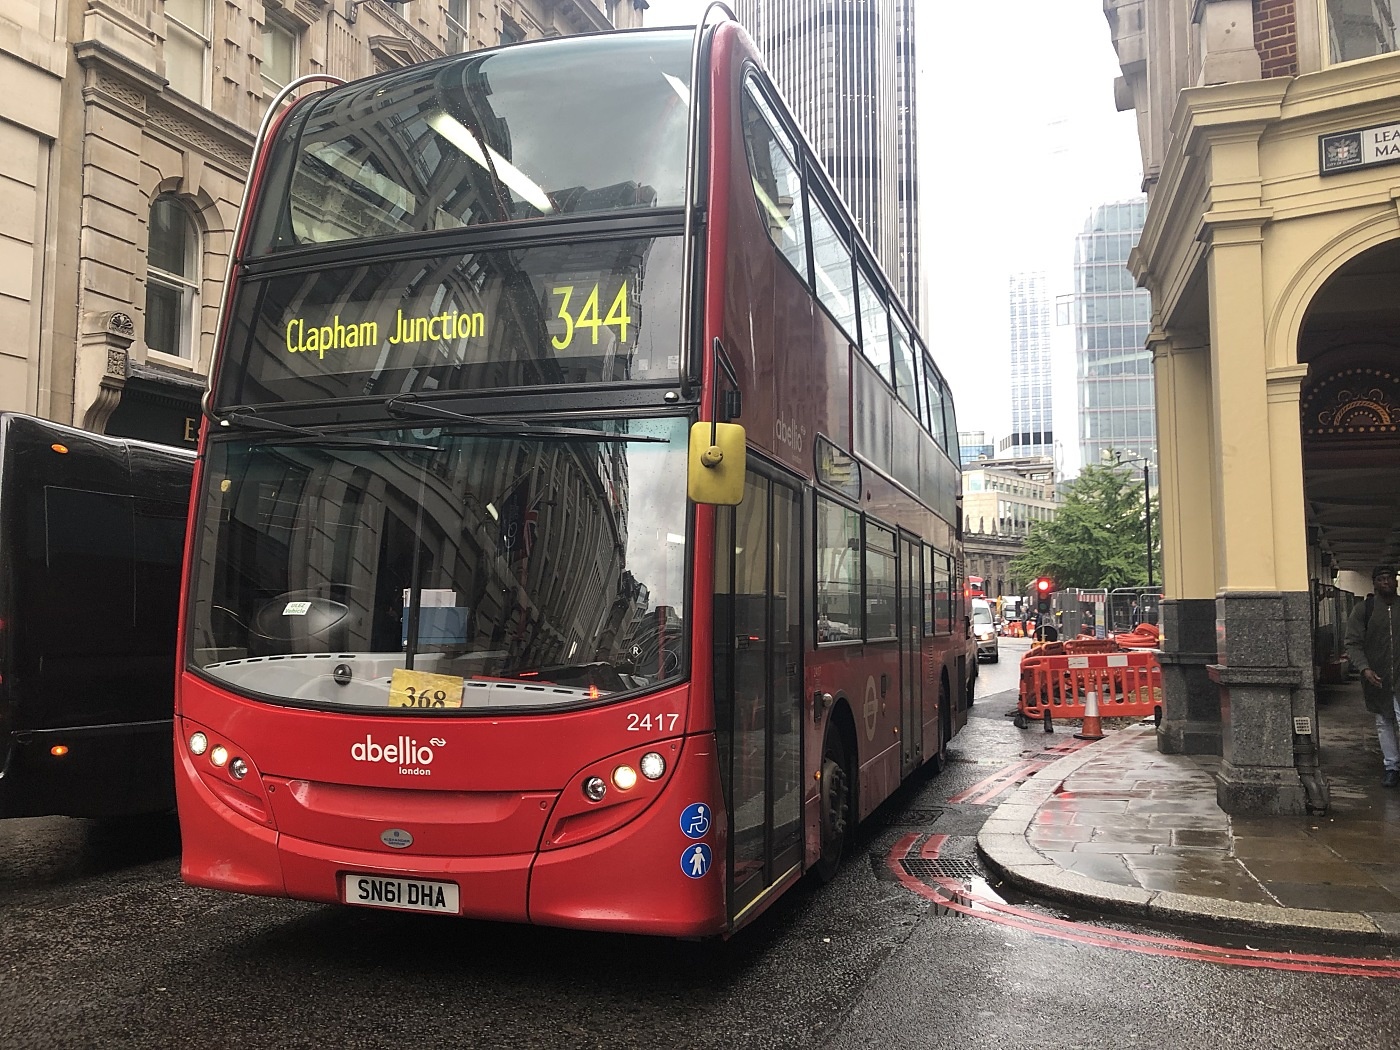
<point x="1364" y="148"/>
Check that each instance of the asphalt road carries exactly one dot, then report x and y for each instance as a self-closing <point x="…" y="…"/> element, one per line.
<point x="102" y="946"/>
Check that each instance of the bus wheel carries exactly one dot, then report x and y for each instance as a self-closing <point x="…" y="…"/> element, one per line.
<point x="939" y="758"/>
<point x="836" y="804"/>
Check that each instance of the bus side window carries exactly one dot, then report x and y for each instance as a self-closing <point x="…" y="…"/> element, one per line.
<point x="875" y="328"/>
<point x="838" y="572"/>
<point x="834" y="266"/>
<point x="906" y="376"/>
<point x="777" y="183"/>
<point x="880" y="574"/>
<point x="935" y="393"/>
<point x="951" y="428"/>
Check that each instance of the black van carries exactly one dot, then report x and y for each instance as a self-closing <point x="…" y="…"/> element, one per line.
<point x="92" y="531"/>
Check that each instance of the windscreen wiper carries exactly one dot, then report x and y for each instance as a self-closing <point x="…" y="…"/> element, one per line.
<point x="245" y="417"/>
<point x="407" y="406"/>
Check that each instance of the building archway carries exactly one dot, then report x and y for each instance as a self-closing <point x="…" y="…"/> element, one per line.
<point x="1350" y="408"/>
<point x="1349" y="416"/>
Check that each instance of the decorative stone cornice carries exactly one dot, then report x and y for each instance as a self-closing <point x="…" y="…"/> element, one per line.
<point x="217" y="138"/>
<point x="403" y="32"/>
<point x="110" y="70"/>
<point x="583" y="14"/>
<point x="114" y="81"/>
<point x="395" y="52"/>
<point x="115" y="328"/>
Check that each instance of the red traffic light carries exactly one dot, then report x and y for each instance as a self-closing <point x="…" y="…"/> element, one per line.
<point x="1044" y="585"/>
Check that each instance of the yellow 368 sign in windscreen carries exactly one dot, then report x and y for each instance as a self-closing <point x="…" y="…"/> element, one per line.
<point x="424" y="689"/>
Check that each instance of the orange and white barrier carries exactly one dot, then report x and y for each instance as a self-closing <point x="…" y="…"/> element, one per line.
<point x="1124" y="684"/>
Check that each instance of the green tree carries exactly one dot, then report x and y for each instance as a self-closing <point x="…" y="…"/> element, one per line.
<point x="1098" y="537"/>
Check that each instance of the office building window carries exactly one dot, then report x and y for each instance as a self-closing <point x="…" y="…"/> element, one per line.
<point x="187" y="48"/>
<point x="1361" y="28"/>
<point x="172" y="280"/>
<point x="457" y="18"/>
<point x="279" y="56"/>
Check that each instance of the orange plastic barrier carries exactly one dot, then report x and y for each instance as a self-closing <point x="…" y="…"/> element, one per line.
<point x="1125" y="685"/>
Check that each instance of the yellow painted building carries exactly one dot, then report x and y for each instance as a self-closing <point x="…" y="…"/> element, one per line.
<point x="1270" y="133"/>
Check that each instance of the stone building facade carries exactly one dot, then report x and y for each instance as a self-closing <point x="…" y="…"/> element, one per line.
<point x="1002" y="500"/>
<point x="1271" y="248"/>
<point x="126" y="131"/>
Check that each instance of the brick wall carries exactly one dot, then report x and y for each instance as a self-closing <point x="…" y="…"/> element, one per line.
<point x="1276" y="37"/>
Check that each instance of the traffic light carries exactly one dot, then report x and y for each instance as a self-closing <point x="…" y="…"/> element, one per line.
<point x="1044" y="587"/>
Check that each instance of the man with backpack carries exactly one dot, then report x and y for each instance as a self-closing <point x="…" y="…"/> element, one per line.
<point x="1373" y="646"/>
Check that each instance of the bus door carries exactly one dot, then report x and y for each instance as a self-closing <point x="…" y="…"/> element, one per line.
<point x="911" y="620"/>
<point x="758" y="681"/>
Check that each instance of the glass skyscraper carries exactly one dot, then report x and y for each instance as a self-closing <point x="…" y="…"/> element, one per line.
<point x="1117" y="409"/>
<point x="1032" y="419"/>
<point x="846" y="69"/>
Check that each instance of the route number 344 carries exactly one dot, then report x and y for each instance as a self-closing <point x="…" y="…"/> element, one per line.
<point x="588" y="315"/>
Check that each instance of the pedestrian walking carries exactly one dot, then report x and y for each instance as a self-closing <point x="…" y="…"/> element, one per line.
<point x="1373" y="646"/>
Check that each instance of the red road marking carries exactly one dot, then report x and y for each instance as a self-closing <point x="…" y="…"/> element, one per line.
<point x="996" y="781"/>
<point x="990" y="787"/>
<point x="955" y="895"/>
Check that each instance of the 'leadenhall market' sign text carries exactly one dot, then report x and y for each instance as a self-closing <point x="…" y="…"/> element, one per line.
<point x="1365" y="148"/>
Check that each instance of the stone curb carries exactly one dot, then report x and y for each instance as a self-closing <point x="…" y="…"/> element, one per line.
<point x="1003" y="844"/>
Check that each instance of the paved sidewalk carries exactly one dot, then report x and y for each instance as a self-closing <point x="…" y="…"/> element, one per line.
<point x="1118" y="827"/>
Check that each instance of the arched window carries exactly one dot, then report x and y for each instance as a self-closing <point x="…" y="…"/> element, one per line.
<point x="172" y="280"/>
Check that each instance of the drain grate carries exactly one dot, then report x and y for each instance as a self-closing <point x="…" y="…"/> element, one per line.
<point x="943" y="868"/>
<point x="913" y="817"/>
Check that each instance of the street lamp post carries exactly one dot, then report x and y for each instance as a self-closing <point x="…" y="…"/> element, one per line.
<point x="1147" y="510"/>
<point x="1118" y="457"/>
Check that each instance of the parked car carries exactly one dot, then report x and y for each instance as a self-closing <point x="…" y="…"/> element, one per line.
<point x="984" y="629"/>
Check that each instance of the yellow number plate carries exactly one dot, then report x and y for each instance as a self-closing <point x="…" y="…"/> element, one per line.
<point x="424" y="689"/>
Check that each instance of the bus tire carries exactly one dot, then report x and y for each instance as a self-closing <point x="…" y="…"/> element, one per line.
<point x="939" y="759"/>
<point x="836" y="808"/>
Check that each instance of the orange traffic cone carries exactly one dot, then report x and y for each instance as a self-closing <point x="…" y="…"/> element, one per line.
<point x="1093" y="725"/>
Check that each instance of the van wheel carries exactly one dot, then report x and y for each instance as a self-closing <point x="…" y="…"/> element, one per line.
<point x="836" y="804"/>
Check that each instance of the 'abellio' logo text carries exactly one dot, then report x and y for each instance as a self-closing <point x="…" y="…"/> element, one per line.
<point x="411" y="757"/>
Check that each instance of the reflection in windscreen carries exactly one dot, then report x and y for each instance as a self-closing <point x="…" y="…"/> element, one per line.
<point x="547" y="315"/>
<point x="455" y="571"/>
<point x="561" y="127"/>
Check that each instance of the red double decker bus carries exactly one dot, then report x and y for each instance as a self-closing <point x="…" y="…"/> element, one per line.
<point x="577" y="533"/>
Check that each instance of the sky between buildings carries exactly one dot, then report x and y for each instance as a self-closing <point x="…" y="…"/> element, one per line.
<point x="1018" y="141"/>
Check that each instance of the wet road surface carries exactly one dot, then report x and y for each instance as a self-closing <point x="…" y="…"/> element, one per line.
<point x="102" y="945"/>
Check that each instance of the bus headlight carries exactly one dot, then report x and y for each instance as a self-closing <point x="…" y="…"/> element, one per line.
<point x="219" y="756"/>
<point x="653" y="766"/>
<point x="625" y="778"/>
<point x="594" y="789"/>
<point x="238" y="769"/>
<point x="199" y="743"/>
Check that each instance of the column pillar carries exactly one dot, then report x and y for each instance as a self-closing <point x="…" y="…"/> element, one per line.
<point x="1256" y="670"/>
<point x="1190" y="700"/>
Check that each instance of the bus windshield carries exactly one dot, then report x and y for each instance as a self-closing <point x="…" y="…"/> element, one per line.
<point x="498" y="567"/>
<point x="578" y="126"/>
